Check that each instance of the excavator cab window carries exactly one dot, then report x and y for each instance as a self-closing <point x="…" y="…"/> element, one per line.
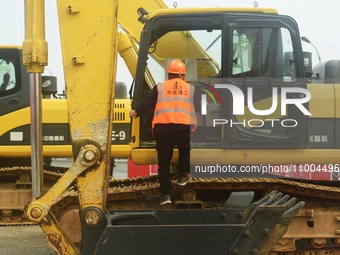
<point x="13" y="94"/>
<point x="7" y="75"/>
<point x="201" y="65"/>
<point x="263" y="52"/>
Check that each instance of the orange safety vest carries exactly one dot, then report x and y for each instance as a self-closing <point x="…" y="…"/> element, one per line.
<point x="175" y="103"/>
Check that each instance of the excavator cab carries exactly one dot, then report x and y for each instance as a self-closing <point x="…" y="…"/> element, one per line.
<point x="250" y="86"/>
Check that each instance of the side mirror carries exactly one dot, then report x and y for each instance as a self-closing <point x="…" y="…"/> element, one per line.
<point x="307" y="60"/>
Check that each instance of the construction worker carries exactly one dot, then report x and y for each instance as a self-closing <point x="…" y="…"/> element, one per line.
<point x="174" y="117"/>
<point x="5" y="82"/>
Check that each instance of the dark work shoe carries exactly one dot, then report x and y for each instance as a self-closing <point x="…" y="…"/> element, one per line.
<point x="182" y="180"/>
<point x="165" y="199"/>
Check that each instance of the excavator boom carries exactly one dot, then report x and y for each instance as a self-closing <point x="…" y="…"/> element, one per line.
<point x="89" y="56"/>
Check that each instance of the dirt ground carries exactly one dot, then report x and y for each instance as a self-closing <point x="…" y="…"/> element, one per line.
<point x="24" y="240"/>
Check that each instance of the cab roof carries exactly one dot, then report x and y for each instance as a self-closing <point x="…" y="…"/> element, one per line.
<point x="215" y="10"/>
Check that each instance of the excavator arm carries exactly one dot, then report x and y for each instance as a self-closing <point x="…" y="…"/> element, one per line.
<point x="89" y="45"/>
<point x="89" y="57"/>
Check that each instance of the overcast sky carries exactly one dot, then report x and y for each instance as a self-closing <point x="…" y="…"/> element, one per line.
<point x="318" y="20"/>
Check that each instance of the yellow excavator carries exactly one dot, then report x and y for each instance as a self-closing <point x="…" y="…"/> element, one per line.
<point x="234" y="203"/>
<point x="260" y="116"/>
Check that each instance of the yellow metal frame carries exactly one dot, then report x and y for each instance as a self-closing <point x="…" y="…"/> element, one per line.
<point x="35" y="45"/>
<point x="89" y="42"/>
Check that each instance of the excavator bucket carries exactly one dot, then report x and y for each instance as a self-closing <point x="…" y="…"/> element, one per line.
<point x="254" y="230"/>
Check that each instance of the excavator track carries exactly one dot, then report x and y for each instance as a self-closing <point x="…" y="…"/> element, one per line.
<point x="15" y="191"/>
<point x="143" y="193"/>
<point x="124" y="191"/>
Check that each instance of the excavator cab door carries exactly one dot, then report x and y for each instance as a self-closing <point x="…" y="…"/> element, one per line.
<point x="265" y="100"/>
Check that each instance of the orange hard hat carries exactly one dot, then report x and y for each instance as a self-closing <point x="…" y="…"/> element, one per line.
<point x="176" y="66"/>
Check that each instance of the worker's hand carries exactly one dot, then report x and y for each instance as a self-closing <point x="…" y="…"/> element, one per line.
<point x="133" y="113"/>
<point x="193" y="128"/>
